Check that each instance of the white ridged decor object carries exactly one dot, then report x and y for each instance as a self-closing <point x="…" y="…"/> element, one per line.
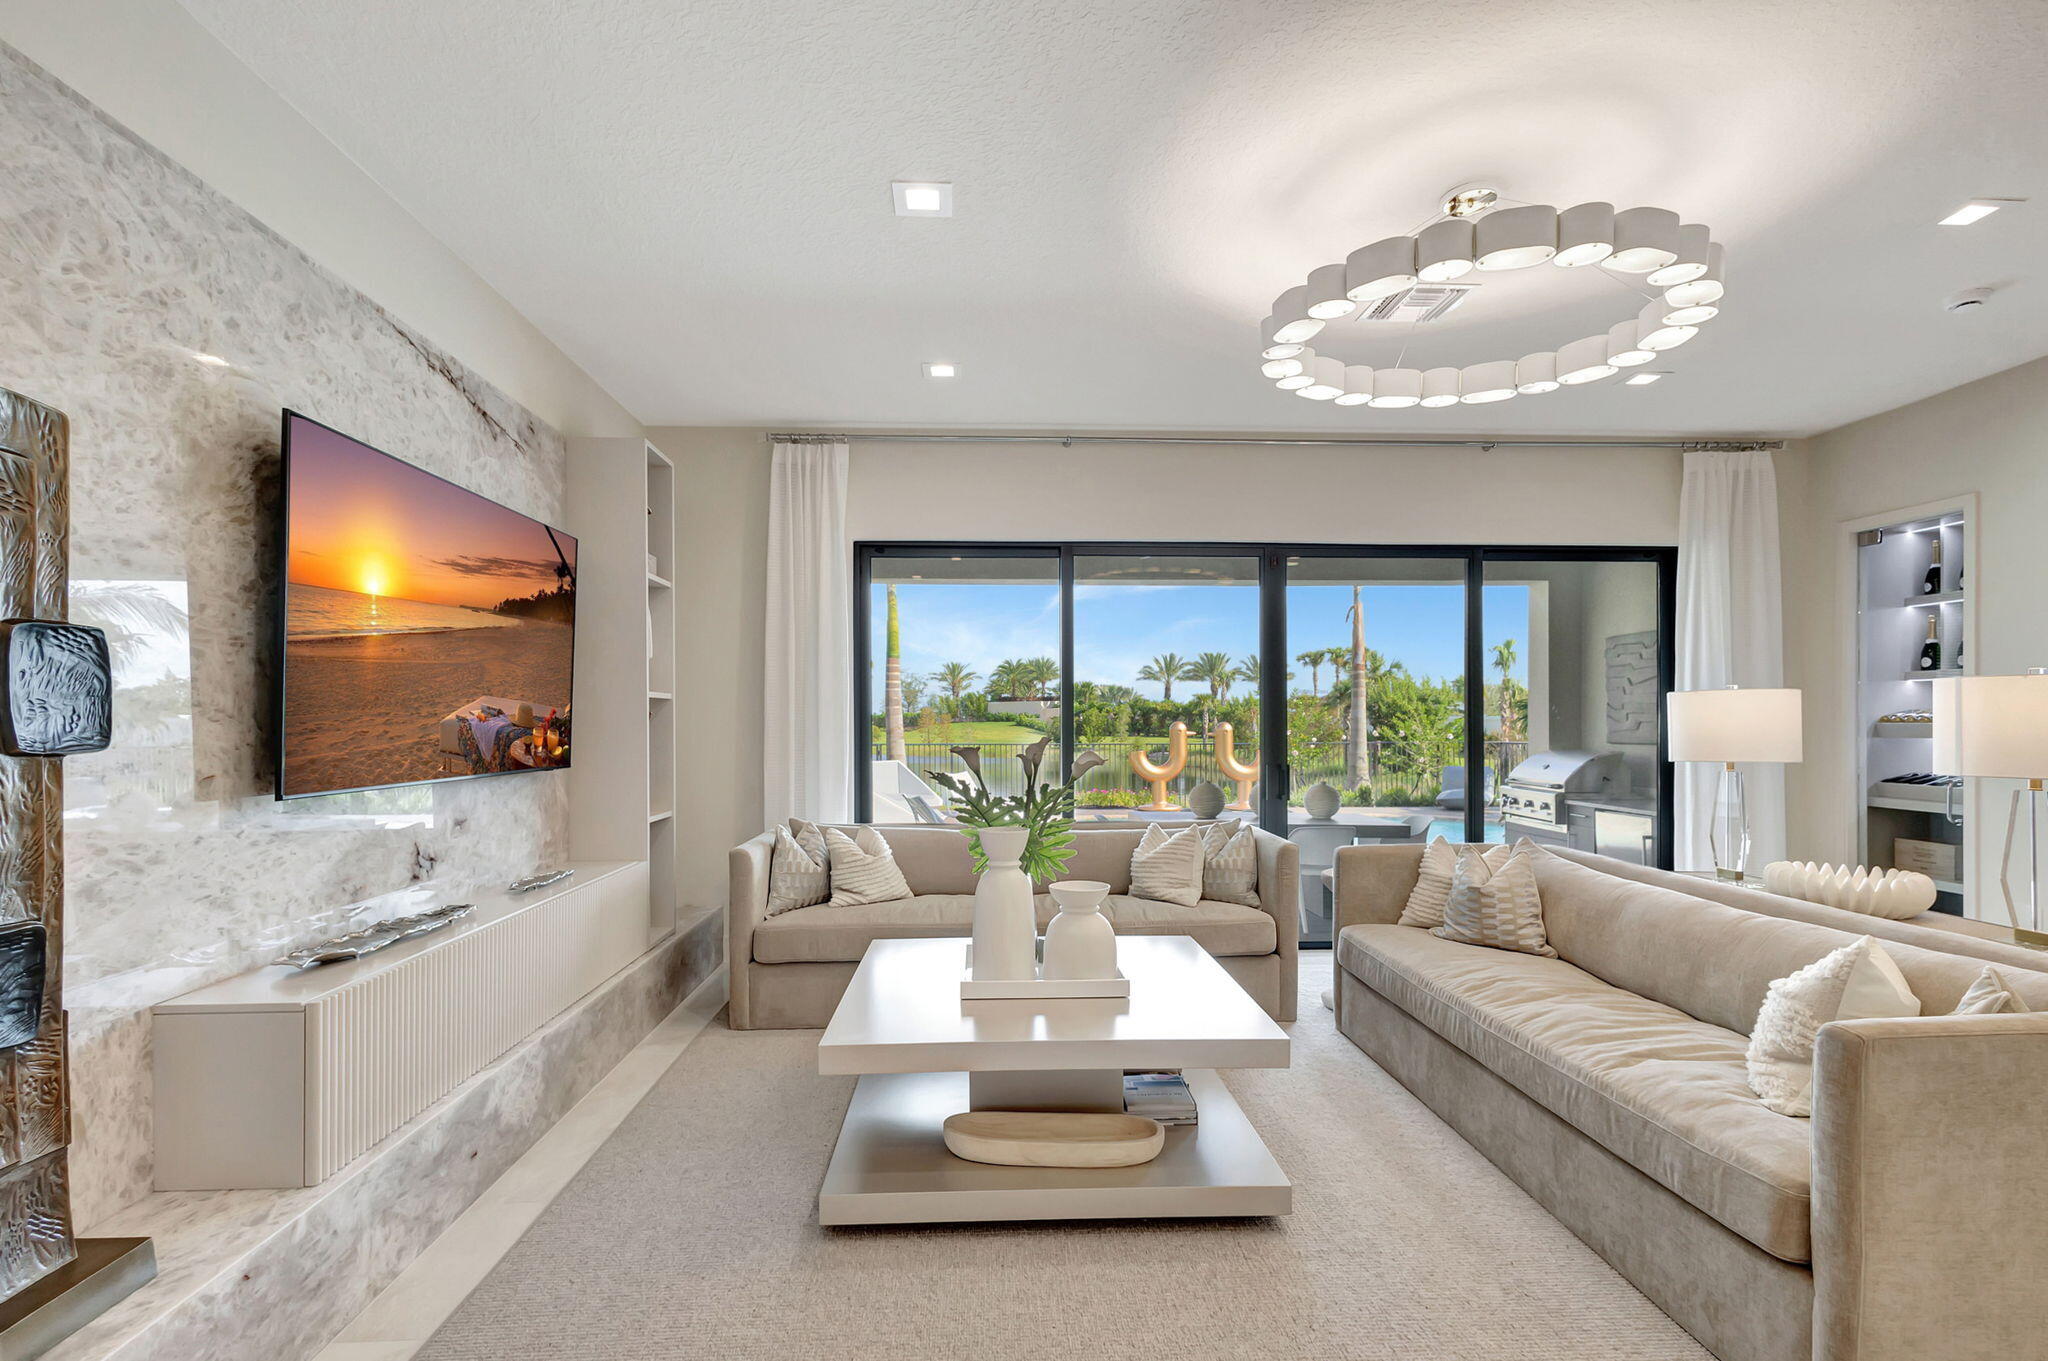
<point x="1895" y="894"/>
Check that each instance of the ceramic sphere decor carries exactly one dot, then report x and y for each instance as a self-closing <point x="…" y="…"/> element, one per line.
<point x="1414" y="278"/>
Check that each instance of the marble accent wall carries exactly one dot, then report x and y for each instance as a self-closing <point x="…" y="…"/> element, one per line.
<point x="118" y="269"/>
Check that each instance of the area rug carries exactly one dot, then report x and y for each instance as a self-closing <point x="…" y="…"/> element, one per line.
<point x="693" y="1233"/>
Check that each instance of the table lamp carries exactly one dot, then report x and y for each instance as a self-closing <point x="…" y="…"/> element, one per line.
<point x="1728" y="726"/>
<point x="1996" y="728"/>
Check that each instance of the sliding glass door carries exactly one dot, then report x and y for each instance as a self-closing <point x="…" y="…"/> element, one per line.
<point x="1334" y="694"/>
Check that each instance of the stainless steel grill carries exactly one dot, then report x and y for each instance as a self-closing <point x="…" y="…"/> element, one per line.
<point x="1537" y="793"/>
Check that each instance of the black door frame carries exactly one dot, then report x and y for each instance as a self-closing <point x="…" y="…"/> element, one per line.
<point x="1276" y="778"/>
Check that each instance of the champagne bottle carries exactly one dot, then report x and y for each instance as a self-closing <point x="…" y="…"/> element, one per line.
<point x="1931" y="584"/>
<point x="1930" y="651"/>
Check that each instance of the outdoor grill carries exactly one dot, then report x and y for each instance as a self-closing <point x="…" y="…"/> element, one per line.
<point x="1537" y="793"/>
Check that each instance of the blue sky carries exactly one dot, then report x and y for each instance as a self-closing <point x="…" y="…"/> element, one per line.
<point x="1118" y="627"/>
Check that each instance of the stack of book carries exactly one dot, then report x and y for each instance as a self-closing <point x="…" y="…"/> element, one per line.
<point x="1161" y="1096"/>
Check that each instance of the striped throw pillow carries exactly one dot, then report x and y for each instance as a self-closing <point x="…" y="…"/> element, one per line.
<point x="1230" y="863"/>
<point x="800" y="870"/>
<point x="1425" y="907"/>
<point x="1496" y="907"/>
<point x="863" y="868"/>
<point x="1167" y="867"/>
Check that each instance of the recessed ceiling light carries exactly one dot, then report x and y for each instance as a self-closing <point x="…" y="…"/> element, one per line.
<point x="1643" y="379"/>
<point x="211" y="360"/>
<point x="919" y="198"/>
<point x="1976" y="210"/>
<point x="942" y="370"/>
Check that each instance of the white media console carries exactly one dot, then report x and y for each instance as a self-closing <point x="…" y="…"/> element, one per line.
<point x="278" y="1077"/>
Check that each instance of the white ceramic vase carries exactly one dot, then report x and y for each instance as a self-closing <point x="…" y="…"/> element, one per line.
<point x="1005" y="931"/>
<point x="1079" y="941"/>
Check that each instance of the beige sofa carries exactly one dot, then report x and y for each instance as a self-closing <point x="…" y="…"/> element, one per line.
<point x="787" y="971"/>
<point x="1903" y="1222"/>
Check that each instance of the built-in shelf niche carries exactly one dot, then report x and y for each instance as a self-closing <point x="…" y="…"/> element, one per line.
<point x="1892" y="556"/>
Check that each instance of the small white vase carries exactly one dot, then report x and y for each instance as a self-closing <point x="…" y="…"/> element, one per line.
<point x="1005" y="932"/>
<point x="1079" y="941"/>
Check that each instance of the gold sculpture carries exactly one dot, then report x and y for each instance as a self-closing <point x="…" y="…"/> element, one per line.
<point x="1245" y="772"/>
<point x="1157" y="776"/>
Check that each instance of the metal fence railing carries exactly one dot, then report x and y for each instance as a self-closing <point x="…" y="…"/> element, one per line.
<point x="1402" y="773"/>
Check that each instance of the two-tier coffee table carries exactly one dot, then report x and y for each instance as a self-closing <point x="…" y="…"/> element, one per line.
<point x="924" y="1055"/>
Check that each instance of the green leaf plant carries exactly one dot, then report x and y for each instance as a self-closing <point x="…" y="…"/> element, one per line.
<point x="1045" y="807"/>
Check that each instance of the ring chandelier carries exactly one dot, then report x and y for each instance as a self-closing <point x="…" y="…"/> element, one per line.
<point x="1680" y="259"/>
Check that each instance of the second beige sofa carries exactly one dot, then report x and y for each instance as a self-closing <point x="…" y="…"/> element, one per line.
<point x="788" y="971"/>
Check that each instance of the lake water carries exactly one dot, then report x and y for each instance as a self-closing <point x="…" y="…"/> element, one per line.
<point x="320" y="612"/>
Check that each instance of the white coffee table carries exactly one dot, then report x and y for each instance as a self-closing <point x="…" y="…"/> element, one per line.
<point x="924" y="1055"/>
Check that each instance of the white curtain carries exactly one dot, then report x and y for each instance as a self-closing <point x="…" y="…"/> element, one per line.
<point x="1730" y="629"/>
<point x="807" y="769"/>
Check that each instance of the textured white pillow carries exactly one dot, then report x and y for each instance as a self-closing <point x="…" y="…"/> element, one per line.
<point x="1167" y="867"/>
<point x="1853" y="983"/>
<point x="1425" y="907"/>
<point x="800" y="870"/>
<point x="1493" y="901"/>
<point x="1990" y="995"/>
<point x="863" y="868"/>
<point x="1230" y="863"/>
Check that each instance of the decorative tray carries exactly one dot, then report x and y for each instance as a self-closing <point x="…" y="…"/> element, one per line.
<point x="382" y="936"/>
<point x="974" y="989"/>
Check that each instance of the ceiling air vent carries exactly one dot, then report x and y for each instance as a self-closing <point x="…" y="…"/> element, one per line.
<point x="1424" y="302"/>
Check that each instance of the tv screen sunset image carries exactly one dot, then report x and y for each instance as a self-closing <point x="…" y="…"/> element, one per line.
<point x="428" y="630"/>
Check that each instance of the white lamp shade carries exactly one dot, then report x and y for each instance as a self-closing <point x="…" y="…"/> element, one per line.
<point x="1443" y="250"/>
<point x="1380" y="270"/>
<point x="1326" y="377"/>
<point x="1536" y="373"/>
<point x="1440" y="387"/>
<point x="1653" y="332"/>
<point x="1697" y="314"/>
<point x="1290" y="365"/>
<point x="1584" y="361"/>
<point x="1493" y="381"/>
<point x="1357" y="386"/>
<point x="1516" y="238"/>
<point x="1326" y="300"/>
<point x="1691" y="261"/>
<point x="1585" y="235"/>
<point x="1994" y="727"/>
<point x="1393" y="388"/>
<point x="1291" y="308"/>
<point x="1644" y="239"/>
<point x="1272" y="346"/>
<point x="1706" y="288"/>
<point x="1623" y="349"/>
<point x="1734" y="725"/>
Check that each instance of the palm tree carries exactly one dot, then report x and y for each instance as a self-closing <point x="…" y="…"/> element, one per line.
<point x="1005" y="680"/>
<point x="1115" y="694"/>
<point x="1165" y="669"/>
<point x="1357" y="731"/>
<point x="1313" y="659"/>
<point x="1248" y="670"/>
<point x="1215" y="670"/>
<point x="892" y="687"/>
<point x="958" y="678"/>
<point x="1504" y="662"/>
<point x="1038" y="674"/>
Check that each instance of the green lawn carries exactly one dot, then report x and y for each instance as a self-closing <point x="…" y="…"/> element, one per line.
<point x="965" y="734"/>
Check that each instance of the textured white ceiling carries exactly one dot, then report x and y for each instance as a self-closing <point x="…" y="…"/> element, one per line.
<point x="692" y="199"/>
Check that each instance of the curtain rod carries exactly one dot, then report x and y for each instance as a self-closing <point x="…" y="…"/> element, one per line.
<point x="1069" y="441"/>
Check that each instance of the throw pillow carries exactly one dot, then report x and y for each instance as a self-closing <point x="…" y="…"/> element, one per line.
<point x="1990" y="995"/>
<point x="1166" y="867"/>
<point x="1432" y="886"/>
<point x="800" y="870"/>
<point x="1853" y="983"/>
<point x="1496" y="904"/>
<point x="1230" y="863"/>
<point x="863" y="869"/>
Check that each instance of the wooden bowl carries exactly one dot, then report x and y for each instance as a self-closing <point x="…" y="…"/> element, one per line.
<point x="1054" y="1138"/>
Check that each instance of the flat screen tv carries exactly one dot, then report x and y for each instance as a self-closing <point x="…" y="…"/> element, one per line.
<point x="428" y="632"/>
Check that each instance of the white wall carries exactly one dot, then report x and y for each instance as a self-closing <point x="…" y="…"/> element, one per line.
<point x="1226" y="493"/>
<point x="152" y="67"/>
<point x="1988" y="437"/>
